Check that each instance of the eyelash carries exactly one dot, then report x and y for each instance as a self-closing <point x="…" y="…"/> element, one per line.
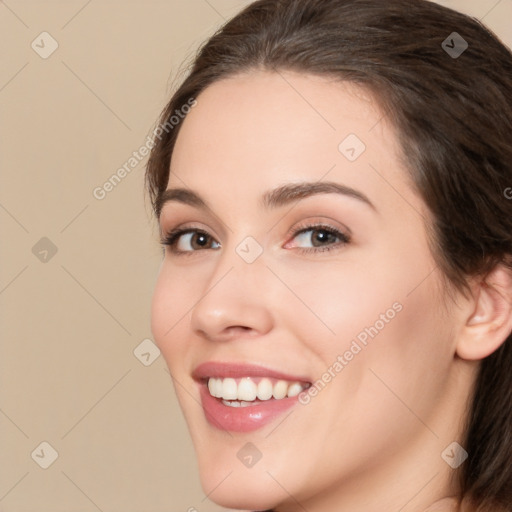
<point x="344" y="238"/>
<point x="170" y="239"/>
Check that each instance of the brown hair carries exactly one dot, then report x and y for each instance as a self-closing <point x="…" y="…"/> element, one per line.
<point x="453" y="115"/>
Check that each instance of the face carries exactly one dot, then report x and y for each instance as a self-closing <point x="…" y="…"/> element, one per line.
<point x="297" y="287"/>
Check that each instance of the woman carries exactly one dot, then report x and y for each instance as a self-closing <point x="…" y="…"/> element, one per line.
<point x="335" y="298"/>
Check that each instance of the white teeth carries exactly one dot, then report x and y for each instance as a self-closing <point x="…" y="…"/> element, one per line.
<point x="229" y="389"/>
<point x="212" y="387"/>
<point x="246" y="391"/>
<point x="294" y="389"/>
<point x="280" y="389"/>
<point x="235" y="403"/>
<point x="265" y="389"/>
<point x="217" y="387"/>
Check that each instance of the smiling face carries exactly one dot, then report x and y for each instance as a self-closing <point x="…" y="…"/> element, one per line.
<point x="303" y="253"/>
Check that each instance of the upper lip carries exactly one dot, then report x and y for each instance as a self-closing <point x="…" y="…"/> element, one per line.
<point x="221" y="369"/>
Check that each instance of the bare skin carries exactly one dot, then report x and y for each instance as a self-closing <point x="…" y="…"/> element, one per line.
<point x="372" y="439"/>
<point x="444" y="505"/>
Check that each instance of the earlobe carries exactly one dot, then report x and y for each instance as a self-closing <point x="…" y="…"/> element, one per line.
<point x="490" y="320"/>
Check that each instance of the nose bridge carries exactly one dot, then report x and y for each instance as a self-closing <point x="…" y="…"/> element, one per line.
<point x="236" y="295"/>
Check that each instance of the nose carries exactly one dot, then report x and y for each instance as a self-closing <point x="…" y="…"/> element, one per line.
<point x="235" y="303"/>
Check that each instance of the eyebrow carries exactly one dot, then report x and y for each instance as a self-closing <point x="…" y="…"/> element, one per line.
<point x="278" y="197"/>
<point x="286" y="194"/>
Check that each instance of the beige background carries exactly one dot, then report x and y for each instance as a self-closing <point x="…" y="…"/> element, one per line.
<point x="70" y="323"/>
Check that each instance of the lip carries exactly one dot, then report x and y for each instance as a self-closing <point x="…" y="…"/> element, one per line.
<point x="241" y="419"/>
<point x="238" y="370"/>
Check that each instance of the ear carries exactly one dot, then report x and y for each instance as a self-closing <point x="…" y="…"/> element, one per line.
<point x="489" y="322"/>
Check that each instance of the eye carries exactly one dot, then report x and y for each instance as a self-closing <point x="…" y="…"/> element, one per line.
<point x="318" y="238"/>
<point x="314" y="238"/>
<point x="189" y="240"/>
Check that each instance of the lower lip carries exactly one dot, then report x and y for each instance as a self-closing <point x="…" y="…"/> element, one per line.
<point x="242" y="419"/>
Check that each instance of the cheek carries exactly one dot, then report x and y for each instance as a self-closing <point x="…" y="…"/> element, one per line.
<point x="376" y="324"/>
<point x="173" y="297"/>
<point x="334" y="302"/>
<point x="394" y="353"/>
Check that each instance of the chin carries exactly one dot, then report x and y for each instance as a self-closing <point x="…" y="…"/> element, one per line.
<point x="230" y="483"/>
<point x="250" y="491"/>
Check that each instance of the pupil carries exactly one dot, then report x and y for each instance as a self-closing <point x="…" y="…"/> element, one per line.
<point x="201" y="240"/>
<point x="322" y="236"/>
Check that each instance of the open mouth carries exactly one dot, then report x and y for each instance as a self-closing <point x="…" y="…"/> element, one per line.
<point x="242" y="397"/>
<point x="247" y="391"/>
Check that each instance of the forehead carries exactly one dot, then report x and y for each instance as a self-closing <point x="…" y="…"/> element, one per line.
<point x="285" y="108"/>
<point x="254" y="131"/>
